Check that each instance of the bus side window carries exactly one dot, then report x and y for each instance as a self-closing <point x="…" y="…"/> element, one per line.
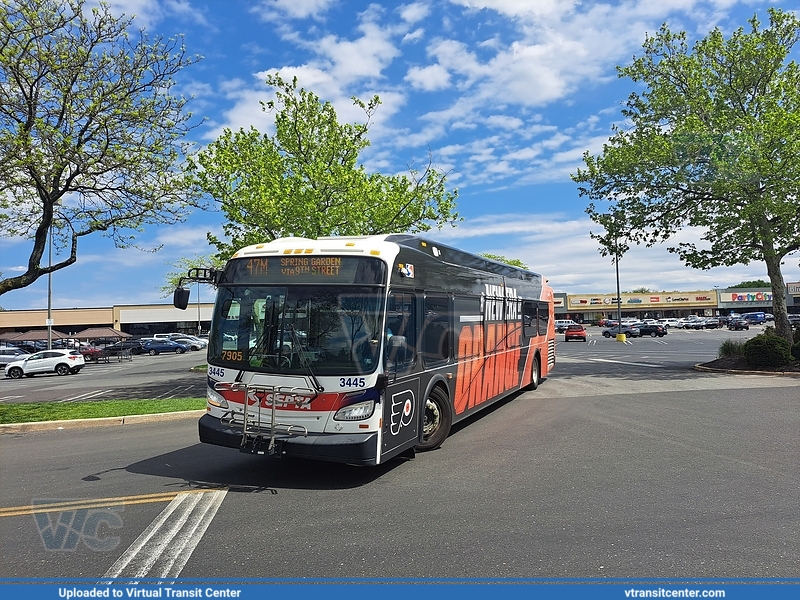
<point x="400" y="324"/>
<point x="529" y="319"/>
<point x="436" y="329"/>
<point x="544" y="317"/>
<point x="468" y="325"/>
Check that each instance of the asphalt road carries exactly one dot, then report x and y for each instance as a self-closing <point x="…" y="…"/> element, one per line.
<point x="624" y="463"/>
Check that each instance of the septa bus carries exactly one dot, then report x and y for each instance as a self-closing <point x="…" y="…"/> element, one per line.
<point x="358" y="349"/>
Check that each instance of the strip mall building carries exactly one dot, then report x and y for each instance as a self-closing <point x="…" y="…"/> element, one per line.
<point x="660" y="305"/>
<point x="148" y="319"/>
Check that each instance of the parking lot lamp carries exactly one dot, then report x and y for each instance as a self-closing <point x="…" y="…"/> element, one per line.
<point x="50" y="292"/>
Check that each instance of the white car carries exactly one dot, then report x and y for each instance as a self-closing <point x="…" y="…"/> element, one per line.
<point x="63" y="362"/>
<point x="676" y="323"/>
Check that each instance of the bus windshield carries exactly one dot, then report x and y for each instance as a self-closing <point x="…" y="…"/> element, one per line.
<point x="278" y="329"/>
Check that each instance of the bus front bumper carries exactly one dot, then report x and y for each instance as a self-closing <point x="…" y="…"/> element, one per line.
<point x="357" y="448"/>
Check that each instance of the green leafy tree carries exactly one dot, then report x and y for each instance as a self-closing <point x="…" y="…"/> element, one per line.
<point x="640" y="290"/>
<point x="514" y="262"/>
<point x="89" y="131"/>
<point x="199" y="261"/>
<point x="305" y="179"/>
<point x="712" y="141"/>
<point x="756" y="283"/>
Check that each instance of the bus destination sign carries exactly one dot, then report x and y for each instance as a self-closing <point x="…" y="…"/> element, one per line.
<point x="306" y="269"/>
<point x="321" y="266"/>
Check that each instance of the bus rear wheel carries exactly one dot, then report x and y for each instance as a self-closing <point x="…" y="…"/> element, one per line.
<point x="436" y="421"/>
<point x="534" y="375"/>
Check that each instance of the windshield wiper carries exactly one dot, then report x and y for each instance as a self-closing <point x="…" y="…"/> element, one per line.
<point x="305" y="362"/>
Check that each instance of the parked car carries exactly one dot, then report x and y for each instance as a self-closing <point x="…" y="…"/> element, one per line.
<point x="667" y="323"/>
<point x="10" y="354"/>
<point x="154" y="347"/>
<point x="626" y="329"/>
<point x="63" y="362"/>
<point x="738" y="324"/>
<point x="194" y="344"/>
<point x="712" y="323"/>
<point x="562" y="324"/>
<point x="134" y="346"/>
<point x="653" y="330"/>
<point x="90" y="352"/>
<point x="575" y="332"/>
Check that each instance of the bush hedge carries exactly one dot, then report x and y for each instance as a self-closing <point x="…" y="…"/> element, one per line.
<point x="766" y="350"/>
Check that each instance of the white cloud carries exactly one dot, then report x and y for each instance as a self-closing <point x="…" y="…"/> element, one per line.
<point x="271" y="10"/>
<point x="562" y="250"/>
<point x="413" y="36"/>
<point x="413" y="13"/>
<point x="429" y="79"/>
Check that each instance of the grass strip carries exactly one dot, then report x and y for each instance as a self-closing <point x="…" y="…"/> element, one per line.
<point x="28" y="412"/>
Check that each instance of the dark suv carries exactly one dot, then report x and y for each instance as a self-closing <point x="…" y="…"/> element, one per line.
<point x="653" y="330"/>
<point x="133" y="346"/>
<point x="738" y="324"/>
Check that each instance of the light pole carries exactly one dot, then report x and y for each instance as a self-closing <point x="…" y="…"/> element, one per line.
<point x="50" y="291"/>
<point x="199" y="328"/>
<point x="619" y="299"/>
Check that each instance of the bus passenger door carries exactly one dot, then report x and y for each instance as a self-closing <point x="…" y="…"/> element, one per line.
<point x="401" y="401"/>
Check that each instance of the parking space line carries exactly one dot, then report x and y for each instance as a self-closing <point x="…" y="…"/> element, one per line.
<point x="4" y="398"/>
<point x="86" y="396"/>
<point x="622" y="362"/>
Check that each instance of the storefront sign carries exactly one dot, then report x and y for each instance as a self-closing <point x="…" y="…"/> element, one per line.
<point x="793" y="288"/>
<point x="751" y="297"/>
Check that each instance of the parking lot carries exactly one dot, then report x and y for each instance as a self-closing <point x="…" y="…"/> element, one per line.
<point x="143" y="376"/>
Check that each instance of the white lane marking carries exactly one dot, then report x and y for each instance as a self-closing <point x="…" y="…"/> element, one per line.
<point x="86" y="396"/>
<point x="622" y="362"/>
<point x="163" y="549"/>
<point x="4" y="398"/>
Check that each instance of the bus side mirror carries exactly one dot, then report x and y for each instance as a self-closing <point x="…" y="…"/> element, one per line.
<point x="180" y="298"/>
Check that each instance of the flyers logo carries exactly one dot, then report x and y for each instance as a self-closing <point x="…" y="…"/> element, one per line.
<point x="402" y="411"/>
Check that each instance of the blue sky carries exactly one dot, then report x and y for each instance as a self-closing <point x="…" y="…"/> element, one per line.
<point x="505" y="94"/>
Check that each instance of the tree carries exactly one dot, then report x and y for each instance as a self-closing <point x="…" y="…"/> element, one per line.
<point x="305" y="179"/>
<point x="712" y="142"/>
<point x="756" y="283"/>
<point x="204" y="261"/>
<point x="514" y="262"/>
<point x="640" y="290"/>
<point x="89" y="132"/>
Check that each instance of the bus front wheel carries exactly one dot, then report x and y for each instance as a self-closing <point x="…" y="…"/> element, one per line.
<point x="437" y="420"/>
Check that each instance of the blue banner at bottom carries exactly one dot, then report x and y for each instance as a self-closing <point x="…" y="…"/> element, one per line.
<point x="397" y="590"/>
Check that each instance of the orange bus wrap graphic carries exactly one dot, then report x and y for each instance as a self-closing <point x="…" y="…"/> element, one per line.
<point x="482" y="377"/>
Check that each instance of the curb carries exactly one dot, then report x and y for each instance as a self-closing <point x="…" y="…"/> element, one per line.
<point x="700" y="367"/>
<point x="100" y="422"/>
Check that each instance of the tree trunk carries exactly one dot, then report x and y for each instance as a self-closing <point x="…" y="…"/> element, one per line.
<point x="782" y="327"/>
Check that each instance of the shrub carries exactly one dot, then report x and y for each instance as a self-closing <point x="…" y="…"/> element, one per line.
<point x="731" y="348"/>
<point x="767" y="351"/>
<point x="796" y="350"/>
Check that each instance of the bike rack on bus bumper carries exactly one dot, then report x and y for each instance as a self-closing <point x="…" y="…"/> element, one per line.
<point x="255" y="429"/>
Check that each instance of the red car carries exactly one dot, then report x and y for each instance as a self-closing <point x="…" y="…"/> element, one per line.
<point x="574" y="332"/>
<point x="90" y="352"/>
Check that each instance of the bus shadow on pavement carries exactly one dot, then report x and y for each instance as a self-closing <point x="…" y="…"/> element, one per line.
<point x="205" y="466"/>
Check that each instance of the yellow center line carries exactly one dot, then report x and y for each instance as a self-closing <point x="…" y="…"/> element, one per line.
<point x="16" y="511"/>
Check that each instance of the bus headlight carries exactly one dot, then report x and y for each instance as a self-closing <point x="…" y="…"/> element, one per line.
<point x="355" y="412"/>
<point x="215" y="399"/>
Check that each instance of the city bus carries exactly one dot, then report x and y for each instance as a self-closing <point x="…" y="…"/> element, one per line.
<point x="359" y="349"/>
